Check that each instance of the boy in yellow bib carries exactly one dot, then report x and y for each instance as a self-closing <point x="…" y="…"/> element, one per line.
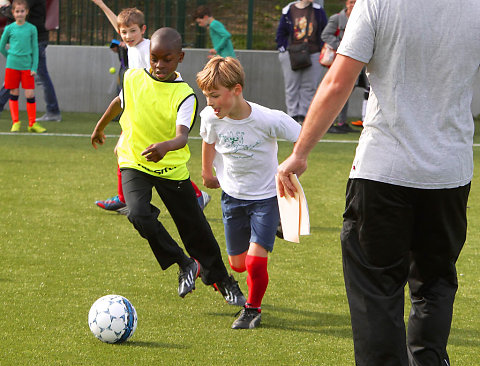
<point x="159" y="109"/>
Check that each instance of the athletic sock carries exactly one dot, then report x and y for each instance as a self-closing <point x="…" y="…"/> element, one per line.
<point x="120" y="187"/>
<point x="257" y="279"/>
<point x="197" y="191"/>
<point x="13" y="104"/>
<point x="31" y="111"/>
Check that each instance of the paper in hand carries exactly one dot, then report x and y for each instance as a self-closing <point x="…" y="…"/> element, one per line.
<point x="294" y="212"/>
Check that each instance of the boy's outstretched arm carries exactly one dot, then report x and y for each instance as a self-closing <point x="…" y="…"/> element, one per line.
<point x="156" y="152"/>
<point x="112" y="17"/>
<point x="208" y="154"/>
<point x="113" y="110"/>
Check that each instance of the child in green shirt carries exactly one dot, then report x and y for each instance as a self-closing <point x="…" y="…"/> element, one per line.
<point x="22" y="64"/>
<point x="221" y="38"/>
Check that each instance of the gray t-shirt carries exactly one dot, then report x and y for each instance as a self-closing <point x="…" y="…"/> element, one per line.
<point x="422" y="57"/>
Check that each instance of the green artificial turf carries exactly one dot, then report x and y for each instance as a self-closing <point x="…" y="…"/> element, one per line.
<point x="59" y="253"/>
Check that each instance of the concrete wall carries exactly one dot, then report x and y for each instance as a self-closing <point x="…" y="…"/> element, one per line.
<point x="83" y="83"/>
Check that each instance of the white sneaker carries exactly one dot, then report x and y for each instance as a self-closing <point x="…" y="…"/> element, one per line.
<point x="204" y="199"/>
<point x="50" y="117"/>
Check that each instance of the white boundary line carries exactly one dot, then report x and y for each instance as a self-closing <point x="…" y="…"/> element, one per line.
<point x="191" y="137"/>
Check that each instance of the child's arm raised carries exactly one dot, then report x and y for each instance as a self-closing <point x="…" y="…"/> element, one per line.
<point x="112" y="17"/>
<point x="208" y="154"/>
<point x="113" y="110"/>
<point x="156" y="152"/>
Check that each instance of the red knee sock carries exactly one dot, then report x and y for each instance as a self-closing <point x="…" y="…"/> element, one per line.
<point x="197" y="191"/>
<point x="31" y="111"/>
<point x="120" y="188"/>
<point x="13" y="104"/>
<point x="257" y="279"/>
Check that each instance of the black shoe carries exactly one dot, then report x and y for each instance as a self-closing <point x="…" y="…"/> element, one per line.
<point x="279" y="232"/>
<point x="230" y="290"/>
<point x="249" y="318"/>
<point x="335" y="129"/>
<point x="187" y="277"/>
<point x="346" y="127"/>
<point x="299" y="118"/>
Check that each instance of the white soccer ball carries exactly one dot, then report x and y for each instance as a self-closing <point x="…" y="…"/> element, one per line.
<point x="112" y="319"/>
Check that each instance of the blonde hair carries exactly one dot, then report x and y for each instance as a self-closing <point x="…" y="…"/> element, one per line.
<point x="130" y="16"/>
<point x="220" y="71"/>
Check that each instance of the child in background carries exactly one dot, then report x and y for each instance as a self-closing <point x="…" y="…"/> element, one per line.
<point x="121" y="50"/>
<point x="130" y="24"/>
<point x="159" y="109"/>
<point x="221" y="38"/>
<point x="363" y="83"/>
<point x="240" y="141"/>
<point x="22" y="63"/>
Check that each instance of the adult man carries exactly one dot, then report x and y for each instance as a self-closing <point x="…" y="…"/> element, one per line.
<point x="36" y="16"/>
<point x="405" y="216"/>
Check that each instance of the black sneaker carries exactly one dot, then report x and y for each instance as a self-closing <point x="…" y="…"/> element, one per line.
<point x="249" y="318"/>
<point x="335" y="129"/>
<point x="299" y="118"/>
<point x="187" y="277"/>
<point x="279" y="232"/>
<point x="345" y="127"/>
<point x="231" y="291"/>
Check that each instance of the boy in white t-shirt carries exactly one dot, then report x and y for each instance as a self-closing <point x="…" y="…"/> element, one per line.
<point x="130" y="24"/>
<point x="240" y="141"/>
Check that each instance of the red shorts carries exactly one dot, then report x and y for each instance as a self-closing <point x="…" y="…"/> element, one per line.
<point x="13" y="78"/>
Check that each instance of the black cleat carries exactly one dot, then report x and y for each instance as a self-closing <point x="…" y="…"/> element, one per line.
<point x="230" y="290"/>
<point x="187" y="277"/>
<point x="279" y="233"/>
<point x="249" y="318"/>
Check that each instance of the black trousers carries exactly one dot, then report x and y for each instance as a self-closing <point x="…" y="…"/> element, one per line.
<point x="181" y="202"/>
<point x="393" y="235"/>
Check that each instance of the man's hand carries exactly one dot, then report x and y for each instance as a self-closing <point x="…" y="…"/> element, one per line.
<point x="292" y="165"/>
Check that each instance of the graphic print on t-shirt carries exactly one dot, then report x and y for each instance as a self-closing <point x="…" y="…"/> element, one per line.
<point x="300" y="26"/>
<point x="235" y="143"/>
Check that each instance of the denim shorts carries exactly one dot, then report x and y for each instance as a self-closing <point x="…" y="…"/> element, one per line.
<point x="249" y="221"/>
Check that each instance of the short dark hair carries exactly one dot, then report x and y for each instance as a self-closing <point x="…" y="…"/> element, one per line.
<point x="201" y="11"/>
<point x="20" y="2"/>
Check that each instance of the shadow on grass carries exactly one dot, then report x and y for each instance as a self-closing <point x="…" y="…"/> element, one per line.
<point x="295" y="320"/>
<point x="143" y="344"/>
<point x="307" y="321"/>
